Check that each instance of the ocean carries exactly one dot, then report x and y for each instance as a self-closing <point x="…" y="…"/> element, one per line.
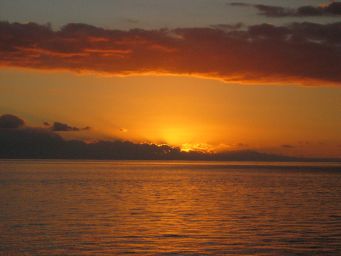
<point x="62" y="207"/>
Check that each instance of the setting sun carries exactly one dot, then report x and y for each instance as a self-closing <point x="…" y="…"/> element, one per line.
<point x="170" y="127"/>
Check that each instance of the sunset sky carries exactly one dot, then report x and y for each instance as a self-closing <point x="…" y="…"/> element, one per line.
<point x="209" y="75"/>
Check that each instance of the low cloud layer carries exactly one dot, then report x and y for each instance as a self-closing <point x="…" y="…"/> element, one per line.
<point x="24" y="141"/>
<point x="330" y="9"/>
<point x="300" y="53"/>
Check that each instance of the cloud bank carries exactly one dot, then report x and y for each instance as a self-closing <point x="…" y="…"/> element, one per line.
<point x="330" y="9"/>
<point x="18" y="140"/>
<point x="300" y="53"/>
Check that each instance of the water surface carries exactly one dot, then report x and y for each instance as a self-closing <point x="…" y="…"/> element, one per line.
<point x="169" y="208"/>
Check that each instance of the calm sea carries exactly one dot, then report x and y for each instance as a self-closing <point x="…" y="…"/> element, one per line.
<point x="169" y="208"/>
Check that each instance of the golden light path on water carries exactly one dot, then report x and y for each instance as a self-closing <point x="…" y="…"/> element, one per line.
<point x="169" y="208"/>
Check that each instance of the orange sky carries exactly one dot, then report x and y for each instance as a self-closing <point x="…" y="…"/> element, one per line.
<point x="183" y="111"/>
<point x="206" y="75"/>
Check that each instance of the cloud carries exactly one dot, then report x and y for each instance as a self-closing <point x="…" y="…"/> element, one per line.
<point x="33" y="142"/>
<point x="330" y="9"/>
<point x="299" y="53"/>
<point x="8" y="121"/>
<point x="62" y="127"/>
<point x="19" y="141"/>
<point x="268" y="10"/>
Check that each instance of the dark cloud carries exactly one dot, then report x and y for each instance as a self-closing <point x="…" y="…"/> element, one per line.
<point x="304" y="53"/>
<point x="268" y="10"/>
<point x="10" y="122"/>
<point x="32" y="142"/>
<point x="62" y="127"/>
<point x="331" y="9"/>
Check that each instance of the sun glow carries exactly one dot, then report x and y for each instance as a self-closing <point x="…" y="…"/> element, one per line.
<point x="184" y="138"/>
<point x="202" y="147"/>
<point x="176" y="136"/>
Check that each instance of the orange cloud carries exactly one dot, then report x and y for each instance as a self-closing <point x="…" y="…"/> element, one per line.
<point x="300" y="53"/>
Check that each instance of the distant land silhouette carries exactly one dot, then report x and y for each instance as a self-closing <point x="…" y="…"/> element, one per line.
<point x="19" y="141"/>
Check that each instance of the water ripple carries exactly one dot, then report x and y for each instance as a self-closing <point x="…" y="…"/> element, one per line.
<point x="141" y="208"/>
